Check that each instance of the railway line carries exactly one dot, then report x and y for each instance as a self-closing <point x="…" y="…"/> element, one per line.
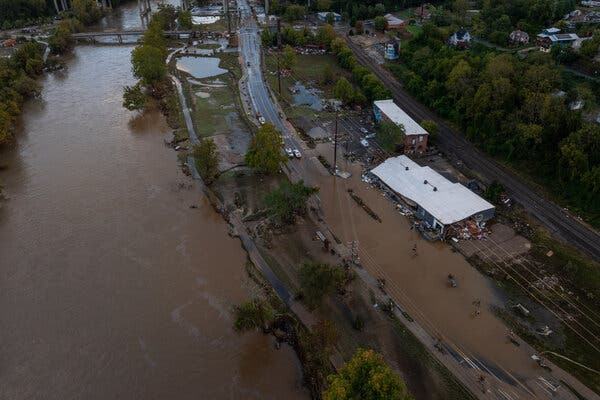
<point x="559" y="222"/>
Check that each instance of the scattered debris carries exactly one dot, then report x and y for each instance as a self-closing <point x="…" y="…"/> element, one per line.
<point x="361" y="203"/>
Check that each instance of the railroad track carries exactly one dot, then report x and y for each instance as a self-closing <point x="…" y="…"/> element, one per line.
<point x="559" y="223"/>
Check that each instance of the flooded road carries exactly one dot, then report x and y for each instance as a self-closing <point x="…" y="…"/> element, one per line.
<point x="111" y="286"/>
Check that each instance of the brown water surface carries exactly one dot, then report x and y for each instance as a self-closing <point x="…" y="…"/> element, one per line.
<point x="111" y="287"/>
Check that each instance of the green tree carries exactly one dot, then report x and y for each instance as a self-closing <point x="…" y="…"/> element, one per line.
<point x="61" y="41"/>
<point x="253" y="314"/>
<point x="324" y="5"/>
<point x="319" y="280"/>
<point x="148" y="64"/>
<point x="289" y="57"/>
<point x="207" y="160"/>
<point x="288" y="201"/>
<point x="294" y="12"/>
<point x="265" y="151"/>
<point x="380" y="23"/>
<point x="343" y="91"/>
<point x="86" y="11"/>
<point x="134" y="98"/>
<point x="325" y="35"/>
<point x="330" y="18"/>
<point x="431" y="127"/>
<point x="389" y="135"/>
<point x="185" y="20"/>
<point x="367" y="377"/>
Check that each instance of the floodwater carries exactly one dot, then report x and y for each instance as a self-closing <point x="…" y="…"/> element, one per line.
<point x="306" y="97"/>
<point x="200" y="67"/>
<point x="111" y="286"/>
<point x="419" y="283"/>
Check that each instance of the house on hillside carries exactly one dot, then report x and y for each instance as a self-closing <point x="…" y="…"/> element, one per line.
<point x="519" y="38"/>
<point x="460" y="39"/>
<point x="415" y="137"/>
<point x="394" y="22"/>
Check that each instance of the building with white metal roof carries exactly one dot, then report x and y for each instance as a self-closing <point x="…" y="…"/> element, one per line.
<point x="415" y="139"/>
<point x="438" y="201"/>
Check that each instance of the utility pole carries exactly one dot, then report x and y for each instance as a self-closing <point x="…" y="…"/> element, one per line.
<point x="228" y="22"/>
<point x="267" y="9"/>
<point x="335" y="137"/>
<point x="278" y="53"/>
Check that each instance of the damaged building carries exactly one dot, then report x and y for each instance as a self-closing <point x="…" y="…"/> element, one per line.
<point x="436" y="201"/>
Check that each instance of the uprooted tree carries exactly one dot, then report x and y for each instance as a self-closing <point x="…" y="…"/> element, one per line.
<point x="288" y="201"/>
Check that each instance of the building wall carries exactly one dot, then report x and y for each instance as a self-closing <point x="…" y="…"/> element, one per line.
<point x="415" y="144"/>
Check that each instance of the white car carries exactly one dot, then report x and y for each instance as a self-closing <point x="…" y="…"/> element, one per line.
<point x="297" y="153"/>
<point x="289" y="152"/>
<point x="364" y="130"/>
<point x="364" y="142"/>
<point x="370" y="136"/>
<point x="261" y="120"/>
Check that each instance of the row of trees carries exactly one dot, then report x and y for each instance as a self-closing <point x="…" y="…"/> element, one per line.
<point x="17" y="84"/>
<point x="511" y="108"/>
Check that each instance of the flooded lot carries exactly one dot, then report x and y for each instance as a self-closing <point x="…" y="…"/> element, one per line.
<point x="200" y="67"/>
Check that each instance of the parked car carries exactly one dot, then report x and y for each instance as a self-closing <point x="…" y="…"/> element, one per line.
<point x="297" y="153"/>
<point x="261" y="120"/>
<point x="364" y="130"/>
<point x="289" y="152"/>
<point x="364" y="142"/>
<point x="370" y="136"/>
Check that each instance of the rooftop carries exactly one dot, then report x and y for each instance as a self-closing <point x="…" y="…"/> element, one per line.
<point x="447" y="202"/>
<point x="563" y="36"/>
<point x="398" y="116"/>
<point x="393" y="20"/>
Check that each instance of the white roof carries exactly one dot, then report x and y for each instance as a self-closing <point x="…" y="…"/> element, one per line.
<point x="392" y="19"/>
<point x="398" y="116"/>
<point x="450" y="203"/>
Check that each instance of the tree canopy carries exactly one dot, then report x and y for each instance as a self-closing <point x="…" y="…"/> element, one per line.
<point x="207" y="160"/>
<point x="389" y="135"/>
<point x="252" y="314"/>
<point x="289" y="57"/>
<point x="367" y="377"/>
<point x="265" y="152"/>
<point x="288" y="201"/>
<point x="319" y="280"/>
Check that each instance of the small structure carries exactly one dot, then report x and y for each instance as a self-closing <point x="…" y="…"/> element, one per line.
<point x="460" y="39"/>
<point x="519" y="37"/>
<point x="422" y="12"/>
<point x="563" y="39"/>
<point x="323" y="16"/>
<point x="437" y="201"/>
<point x="393" y="22"/>
<point x="415" y="139"/>
<point x="585" y="3"/>
<point x="9" y="43"/>
<point x="392" y="50"/>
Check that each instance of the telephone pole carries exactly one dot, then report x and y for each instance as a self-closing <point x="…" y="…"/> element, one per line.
<point x="335" y="137"/>
<point x="278" y="53"/>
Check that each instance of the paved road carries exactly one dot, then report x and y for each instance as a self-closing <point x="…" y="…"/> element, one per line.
<point x="560" y="223"/>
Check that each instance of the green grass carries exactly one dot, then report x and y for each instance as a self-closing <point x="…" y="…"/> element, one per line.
<point x="209" y="114"/>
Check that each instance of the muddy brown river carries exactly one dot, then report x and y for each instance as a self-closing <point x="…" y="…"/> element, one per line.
<point x="111" y="286"/>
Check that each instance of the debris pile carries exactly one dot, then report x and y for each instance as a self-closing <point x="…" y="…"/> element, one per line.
<point x="468" y="230"/>
<point x="365" y="207"/>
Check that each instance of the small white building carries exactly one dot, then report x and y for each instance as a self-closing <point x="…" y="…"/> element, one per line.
<point x="323" y="16"/>
<point x="437" y="201"/>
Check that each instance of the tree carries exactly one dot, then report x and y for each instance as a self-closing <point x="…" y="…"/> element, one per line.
<point x="288" y="201"/>
<point x="265" y="151"/>
<point x="253" y="314"/>
<point x="207" y="160"/>
<point x="330" y="18"/>
<point x="366" y="377"/>
<point x="289" y="57"/>
<point x="325" y="35"/>
<point x="185" y="20"/>
<point x="134" y="98"/>
<point x="61" y="41"/>
<point x="319" y="280"/>
<point x="86" y="11"/>
<point x="431" y="127"/>
<point x="344" y="91"/>
<point x="380" y="23"/>
<point x="389" y="135"/>
<point x="294" y="12"/>
<point x="358" y="27"/>
<point x="324" y="5"/>
<point x="148" y="64"/>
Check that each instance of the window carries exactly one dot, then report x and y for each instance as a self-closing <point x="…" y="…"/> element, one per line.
<point x="414" y="141"/>
<point x="420" y="138"/>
